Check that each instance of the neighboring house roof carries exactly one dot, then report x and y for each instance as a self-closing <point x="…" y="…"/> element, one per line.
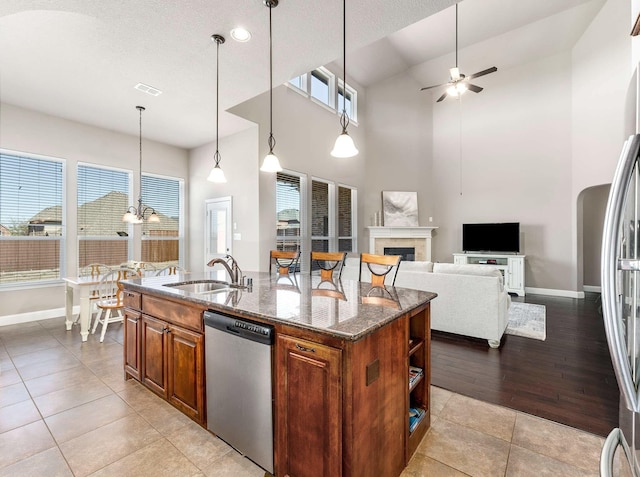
<point x="103" y="216"/>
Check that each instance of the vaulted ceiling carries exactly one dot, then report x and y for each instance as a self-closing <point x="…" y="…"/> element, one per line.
<point x="80" y="60"/>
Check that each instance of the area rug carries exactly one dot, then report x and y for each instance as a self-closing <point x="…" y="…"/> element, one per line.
<point x="528" y="320"/>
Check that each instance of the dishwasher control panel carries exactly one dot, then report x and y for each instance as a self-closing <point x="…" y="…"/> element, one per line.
<point x="241" y="327"/>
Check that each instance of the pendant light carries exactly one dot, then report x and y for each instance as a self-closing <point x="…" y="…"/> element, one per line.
<point x="136" y="215"/>
<point x="217" y="175"/>
<point x="271" y="162"/>
<point x="344" y="146"/>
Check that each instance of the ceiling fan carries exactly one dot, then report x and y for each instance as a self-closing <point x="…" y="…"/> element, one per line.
<point x="459" y="83"/>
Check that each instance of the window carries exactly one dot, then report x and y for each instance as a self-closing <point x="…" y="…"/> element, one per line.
<point x="103" y="198"/>
<point x="289" y="193"/>
<point x="32" y="227"/>
<point x="299" y="82"/>
<point x="321" y="223"/>
<point x="331" y="206"/>
<point x="351" y="98"/>
<point x="162" y="241"/>
<point x="347" y="206"/>
<point x="322" y="86"/>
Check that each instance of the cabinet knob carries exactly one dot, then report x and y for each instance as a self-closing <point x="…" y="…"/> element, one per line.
<point x="307" y="350"/>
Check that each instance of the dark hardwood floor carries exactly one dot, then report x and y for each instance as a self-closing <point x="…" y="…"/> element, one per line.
<point x="568" y="378"/>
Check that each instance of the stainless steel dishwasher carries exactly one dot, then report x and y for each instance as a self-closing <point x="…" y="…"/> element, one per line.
<point x="239" y="386"/>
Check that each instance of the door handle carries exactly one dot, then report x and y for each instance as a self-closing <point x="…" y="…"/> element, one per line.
<point x="609" y="269"/>
<point x="306" y="350"/>
<point x="614" y="439"/>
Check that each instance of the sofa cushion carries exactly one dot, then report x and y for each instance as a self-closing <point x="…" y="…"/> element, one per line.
<point x="411" y="266"/>
<point x="452" y="268"/>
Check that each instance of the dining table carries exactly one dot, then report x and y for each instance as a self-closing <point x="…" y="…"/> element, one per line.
<point x="84" y="286"/>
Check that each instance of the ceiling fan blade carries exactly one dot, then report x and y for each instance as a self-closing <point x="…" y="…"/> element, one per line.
<point x="474" y="88"/>
<point x="493" y="69"/>
<point x="434" y="86"/>
<point x="444" y="95"/>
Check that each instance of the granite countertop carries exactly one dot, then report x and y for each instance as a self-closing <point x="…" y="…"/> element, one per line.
<point x="342" y="308"/>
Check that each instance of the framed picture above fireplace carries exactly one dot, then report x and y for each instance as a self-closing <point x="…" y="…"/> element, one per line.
<point x="400" y="209"/>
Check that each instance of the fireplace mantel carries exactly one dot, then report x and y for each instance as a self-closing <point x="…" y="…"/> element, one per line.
<point x="418" y="237"/>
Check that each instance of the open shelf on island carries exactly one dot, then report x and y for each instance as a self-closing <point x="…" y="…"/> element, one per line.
<point x="414" y="345"/>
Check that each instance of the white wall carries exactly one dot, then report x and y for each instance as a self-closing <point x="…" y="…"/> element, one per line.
<point x="30" y="132"/>
<point x="601" y="78"/>
<point x="239" y="158"/>
<point x="504" y="155"/>
<point x="304" y="133"/>
<point x="399" y="137"/>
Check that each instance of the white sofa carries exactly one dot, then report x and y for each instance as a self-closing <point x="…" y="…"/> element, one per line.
<point x="471" y="299"/>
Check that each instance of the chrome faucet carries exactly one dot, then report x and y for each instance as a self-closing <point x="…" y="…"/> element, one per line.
<point x="234" y="270"/>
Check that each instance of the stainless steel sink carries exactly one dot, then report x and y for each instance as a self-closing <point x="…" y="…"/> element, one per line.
<point x="201" y="286"/>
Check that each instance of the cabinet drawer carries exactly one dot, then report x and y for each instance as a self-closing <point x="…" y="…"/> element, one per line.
<point x="176" y="313"/>
<point x="131" y="299"/>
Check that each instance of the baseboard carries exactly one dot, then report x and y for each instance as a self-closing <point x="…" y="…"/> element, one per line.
<point x="35" y="316"/>
<point x="552" y="292"/>
<point x="592" y="288"/>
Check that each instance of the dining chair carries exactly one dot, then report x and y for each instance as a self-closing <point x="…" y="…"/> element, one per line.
<point x="94" y="270"/>
<point x="286" y="261"/>
<point x="110" y="304"/>
<point x="328" y="262"/>
<point x="170" y="270"/>
<point x="380" y="266"/>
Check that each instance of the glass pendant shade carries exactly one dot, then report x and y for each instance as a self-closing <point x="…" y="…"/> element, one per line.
<point x="128" y="217"/>
<point x="271" y="163"/>
<point x="344" y="146"/>
<point x="217" y="175"/>
<point x="154" y="218"/>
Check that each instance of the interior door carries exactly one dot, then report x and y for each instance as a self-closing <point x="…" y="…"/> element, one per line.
<point x="218" y="238"/>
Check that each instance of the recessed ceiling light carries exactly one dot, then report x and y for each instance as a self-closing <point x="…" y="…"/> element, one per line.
<point x="240" y="34"/>
<point x="145" y="88"/>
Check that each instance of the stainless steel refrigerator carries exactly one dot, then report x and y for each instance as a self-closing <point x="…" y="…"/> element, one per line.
<point x="620" y="270"/>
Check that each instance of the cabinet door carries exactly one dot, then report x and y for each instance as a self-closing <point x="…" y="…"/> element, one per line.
<point x="132" y="351"/>
<point x="186" y="376"/>
<point x="154" y="350"/>
<point x="308" y="408"/>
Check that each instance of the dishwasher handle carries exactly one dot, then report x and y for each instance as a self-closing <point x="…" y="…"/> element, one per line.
<point x="241" y="327"/>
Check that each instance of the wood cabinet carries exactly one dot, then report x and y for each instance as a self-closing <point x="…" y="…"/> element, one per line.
<point x="309" y="408"/>
<point x="342" y="407"/>
<point x="164" y="350"/>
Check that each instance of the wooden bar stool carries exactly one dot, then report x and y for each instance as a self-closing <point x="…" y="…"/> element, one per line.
<point x="328" y="262"/>
<point x="380" y="266"/>
<point x="284" y="260"/>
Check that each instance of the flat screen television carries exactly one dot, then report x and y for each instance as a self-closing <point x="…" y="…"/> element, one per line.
<point x="491" y="237"/>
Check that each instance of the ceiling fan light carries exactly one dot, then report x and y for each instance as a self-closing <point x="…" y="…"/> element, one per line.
<point x="344" y="146"/>
<point x="217" y="175"/>
<point x="452" y="91"/>
<point x="271" y="163"/>
<point x="461" y="88"/>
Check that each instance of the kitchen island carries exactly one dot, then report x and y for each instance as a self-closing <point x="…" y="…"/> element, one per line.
<point x="342" y="357"/>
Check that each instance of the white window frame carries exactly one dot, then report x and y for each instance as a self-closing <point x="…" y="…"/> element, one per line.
<point x="302" y="217"/>
<point x="331" y="209"/>
<point x="304" y="82"/>
<point x="62" y="238"/>
<point x="331" y="85"/>
<point x="353" y="114"/>
<point x="354" y="217"/>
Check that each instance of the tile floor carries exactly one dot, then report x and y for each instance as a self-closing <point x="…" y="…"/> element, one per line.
<point x="65" y="410"/>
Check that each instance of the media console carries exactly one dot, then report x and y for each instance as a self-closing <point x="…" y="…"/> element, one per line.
<point x="511" y="266"/>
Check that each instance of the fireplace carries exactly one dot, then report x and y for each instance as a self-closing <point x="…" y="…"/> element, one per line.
<point x="416" y="238"/>
<point x="408" y="254"/>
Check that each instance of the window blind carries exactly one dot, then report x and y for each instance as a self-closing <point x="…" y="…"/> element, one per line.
<point x="321" y="216"/>
<point x="288" y="208"/>
<point x="31" y="218"/>
<point x="103" y="198"/>
<point x="346" y="206"/>
<point x="161" y="242"/>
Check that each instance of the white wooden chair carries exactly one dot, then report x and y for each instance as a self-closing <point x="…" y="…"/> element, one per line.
<point x="170" y="270"/>
<point x="109" y="302"/>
